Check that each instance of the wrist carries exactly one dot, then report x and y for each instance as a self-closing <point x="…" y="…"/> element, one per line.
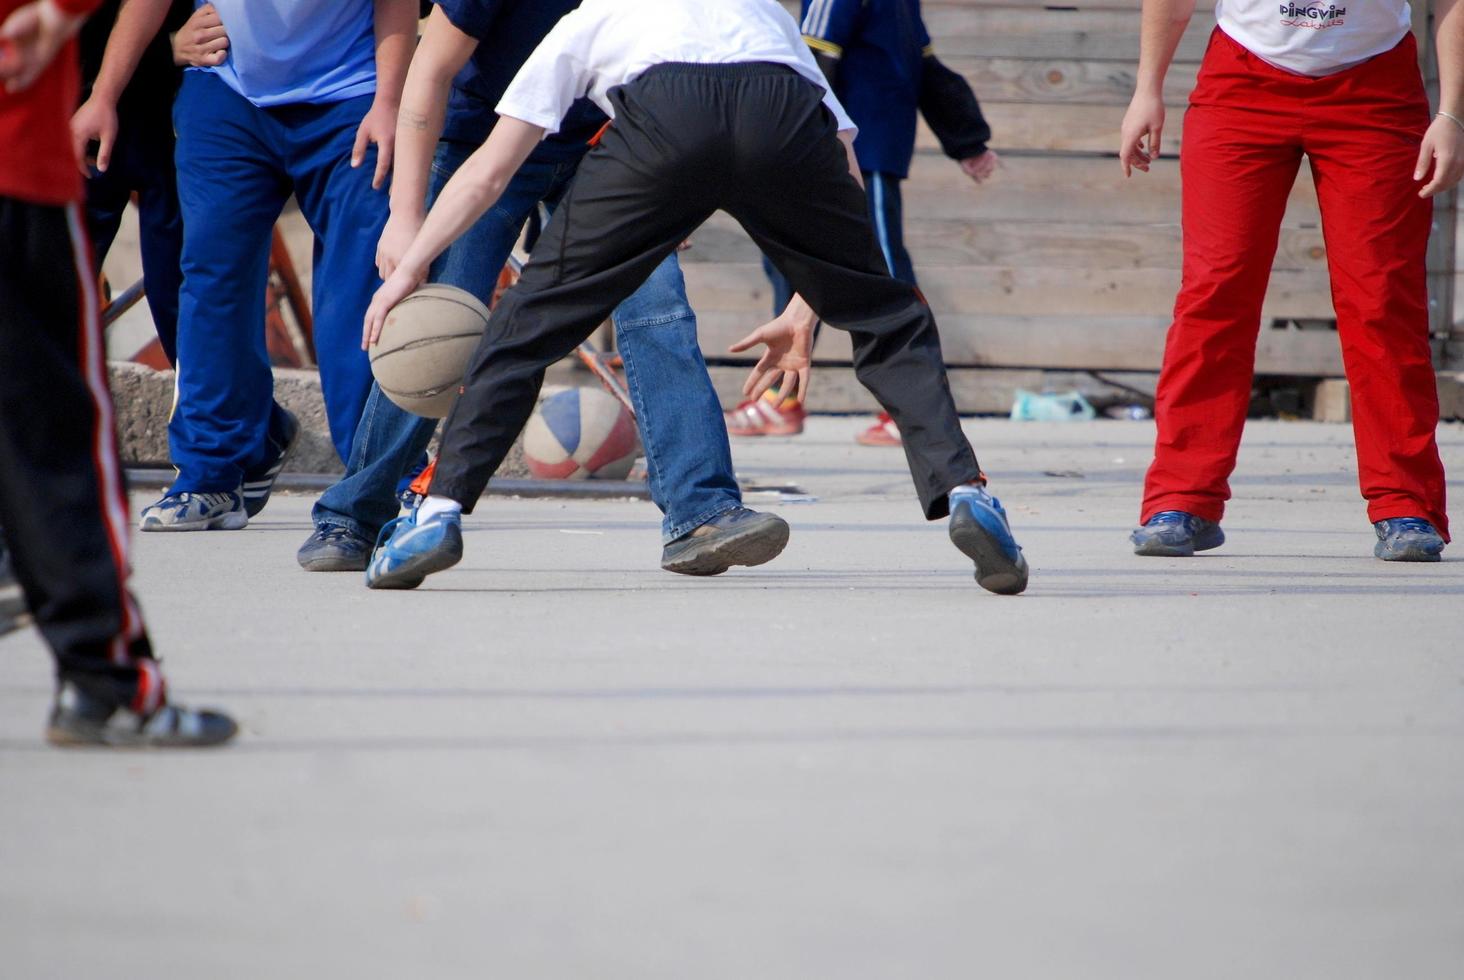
<point x="1457" y="119"/>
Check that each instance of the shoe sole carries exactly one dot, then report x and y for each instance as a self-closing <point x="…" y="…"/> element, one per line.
<point x="1413" y="556"/>
<point x="329" y="564"/>
<point x="69" y="738"/>
<point x="995" y="572"/>
<point x="756" y="545"/>
<point x="414" y="572"/>
<point x="233" y="521"/>
<point x="1154" y="548"/>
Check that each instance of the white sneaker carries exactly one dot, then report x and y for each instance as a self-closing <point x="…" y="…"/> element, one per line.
<point x="195" y="512"/>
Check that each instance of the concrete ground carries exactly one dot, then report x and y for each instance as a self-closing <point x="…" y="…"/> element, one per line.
<point x="558" y="761"/>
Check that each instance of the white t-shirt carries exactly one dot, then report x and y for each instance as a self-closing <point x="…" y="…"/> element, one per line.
<point x="1315" y="37"/>
<point x="605" y="43"/>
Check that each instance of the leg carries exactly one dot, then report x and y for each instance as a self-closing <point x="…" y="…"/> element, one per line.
<point x="677" y="409"/>
<point x="389" y="440"/>
<point x="1376" y="228"/>
<point x="811" y="218"/>
<point x="886" y="210"/>
<point x="1238" y="167"/>
<point x="62" y="502"/>
<point x="161" y="230"/>
<point x="347" y="216"/>
<point x="231" y="190"/>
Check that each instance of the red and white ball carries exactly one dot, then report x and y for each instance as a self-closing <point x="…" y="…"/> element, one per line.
<point x="581" y="434"/>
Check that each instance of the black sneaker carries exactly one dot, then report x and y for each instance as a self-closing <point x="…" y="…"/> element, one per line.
<point x="333" y="548"/>
<point x="738" y="537"/>
<point x="259" y="481"/>
<point x="79" y="720"/>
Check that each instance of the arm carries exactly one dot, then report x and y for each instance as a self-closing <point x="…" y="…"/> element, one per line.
<point x="443" y="51"/>
<point x="1443" y="144"/>
<point x="396" y="33"/>
<point x="138" y="22"/>
<point x="32" y="36"/>
<point x="1164" y="22"/>
<point x="472" y="190"/>
<point x="954" y="115"/>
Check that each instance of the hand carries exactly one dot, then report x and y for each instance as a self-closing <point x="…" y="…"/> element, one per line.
<point x="202" y="41"/>
<point x="95" y="120"/>
<point x="789" y="340"/>
<point x="396" y="288"/>
<point x="29" y="40"/>
<point x="1443" y="145"/>
<point x="982" y="167"/>
<point x="396" y="238"/>
<point x="1145" y="117"/>
<point x="378" y="127"/>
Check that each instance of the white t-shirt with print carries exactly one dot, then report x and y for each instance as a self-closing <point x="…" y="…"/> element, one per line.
<point x="605" y="43"/>
<point x="1312" y="37"/>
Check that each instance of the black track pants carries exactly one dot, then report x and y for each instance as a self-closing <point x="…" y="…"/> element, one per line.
<point x="62" y="502"/>
<point x="756" y="141"/>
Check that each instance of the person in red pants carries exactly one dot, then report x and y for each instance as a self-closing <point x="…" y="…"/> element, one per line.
<point x="1340" y="87"/>
<point x="62" y="502"/>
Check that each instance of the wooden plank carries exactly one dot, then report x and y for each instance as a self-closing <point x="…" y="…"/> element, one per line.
<point x="1049" y="244"/>
<point x="1023" y="128"/>
<point x="1096" y="343"/>
<point x="1067" y="80"/>
<point x="1018" y="291"/>
<point x="1092" y="35"/>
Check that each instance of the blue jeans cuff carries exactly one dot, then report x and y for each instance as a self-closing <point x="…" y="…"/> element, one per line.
<point x="669" y="534"/>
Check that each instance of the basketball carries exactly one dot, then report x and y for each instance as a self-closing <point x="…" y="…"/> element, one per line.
<point x="580" y="434"/>
<point x="425" y="346"/>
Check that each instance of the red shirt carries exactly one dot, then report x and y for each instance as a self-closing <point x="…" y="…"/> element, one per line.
<point x="36" y="162"/>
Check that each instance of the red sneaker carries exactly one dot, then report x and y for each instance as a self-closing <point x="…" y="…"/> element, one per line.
<point x="761" y="417"/>
<point x="883" y="432"/>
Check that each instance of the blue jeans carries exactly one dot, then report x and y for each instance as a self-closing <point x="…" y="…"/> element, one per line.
<point x="237" y="164"/>
<point x="677" y="409"/>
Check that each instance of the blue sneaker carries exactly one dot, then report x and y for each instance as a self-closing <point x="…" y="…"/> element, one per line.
<point x="979" y="528"/>
<point x="1408" y="539"/>
<point x="413" y="551"/>
<point x="195" y="512"/>
<point x="1175" y="534"/>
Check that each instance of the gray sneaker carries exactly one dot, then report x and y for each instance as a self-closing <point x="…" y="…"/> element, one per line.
<point x="1408" y="539"/>
<point x="79" y="720"/>
<point x="333" y="548"/>
<point x="738" y="537"/>
<point x="195" y="512"/>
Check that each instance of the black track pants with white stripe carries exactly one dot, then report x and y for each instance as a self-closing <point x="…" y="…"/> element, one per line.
<point x="62" y="503"/>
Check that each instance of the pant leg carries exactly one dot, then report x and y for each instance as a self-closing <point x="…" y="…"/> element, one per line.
<point x="62" y="502"/>
<point x="231" y="187"/>
<point x="793" y="193"/>
<point x="160" y="229"/>
<point x="688" y="456"/>
<point x="887" y="211"/>
<point x="389" y="439"/>
<point x="1240" y="155"/>
<point x="1362" y="138"/>
<point x="347" y="216"/>
<point x="632" y="203"/>
<point x="107" y="195"/>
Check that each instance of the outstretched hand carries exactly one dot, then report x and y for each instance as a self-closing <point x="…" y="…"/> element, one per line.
<point x="398" y="286"/>
<point x="789" y="341"/>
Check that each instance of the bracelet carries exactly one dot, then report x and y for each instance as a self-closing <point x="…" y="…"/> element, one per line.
<point x="1455" y="119"/>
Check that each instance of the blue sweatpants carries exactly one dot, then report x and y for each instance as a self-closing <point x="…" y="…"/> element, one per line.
<point x="237" y="165"/>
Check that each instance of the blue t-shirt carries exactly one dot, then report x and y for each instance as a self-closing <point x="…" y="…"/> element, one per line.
<point x="283" y="52"/>
<point x="508" y="31"/>
<point x="881" y="46"/>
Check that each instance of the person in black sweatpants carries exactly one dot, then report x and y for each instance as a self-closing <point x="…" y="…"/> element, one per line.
<point x="754" y="139"/>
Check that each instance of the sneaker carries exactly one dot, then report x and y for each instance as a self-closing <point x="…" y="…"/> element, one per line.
<point x="195" y="512"/>
<point x="761" y="417"/>
<point x="738" y="537"/>
<point x="333" y="548"/>
<point x="1175" y="534"/>
<point x="883" y="432"/>
<point x="80" y="720"/>
<point x="413" y="551"/>
<point x="1408" y="539"/>
<point x="259" y="482"/>
<point x="979" y="528"/>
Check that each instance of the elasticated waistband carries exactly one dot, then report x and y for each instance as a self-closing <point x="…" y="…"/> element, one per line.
<point x="741" y="69"/>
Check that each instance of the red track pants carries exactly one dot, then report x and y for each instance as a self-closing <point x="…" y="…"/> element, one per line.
<point x="1245" y="133"/>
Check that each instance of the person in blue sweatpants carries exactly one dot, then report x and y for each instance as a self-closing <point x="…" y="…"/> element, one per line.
<point x="292" y="109"/>
<point x="468" y="55"/>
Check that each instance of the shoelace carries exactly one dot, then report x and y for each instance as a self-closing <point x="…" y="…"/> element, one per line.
<point x="210" y="500"/>
<point x="1170" y="517"/>
<point x="333" y="533"/>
